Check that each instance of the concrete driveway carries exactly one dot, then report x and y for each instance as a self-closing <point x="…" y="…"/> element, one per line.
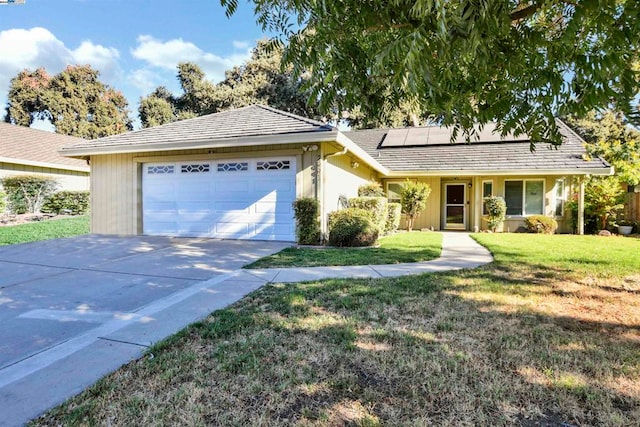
<point x="72" y="310"/>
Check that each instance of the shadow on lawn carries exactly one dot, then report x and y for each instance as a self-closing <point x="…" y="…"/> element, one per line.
<point x="463" y="360"/>
<point x="476" y="347"/>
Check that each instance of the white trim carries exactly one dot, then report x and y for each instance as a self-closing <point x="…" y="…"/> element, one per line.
<point x="524" y="214"/>
<point x="510" y="172"/>
<point x="563" y="199"/>
<point x="482" y="196"/>
<point x="246" y="141"/>
<point x="464" y="204"/>
<point x="44" y="164"/>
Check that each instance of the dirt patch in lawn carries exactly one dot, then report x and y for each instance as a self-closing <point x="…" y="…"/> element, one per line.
<point x="12" y="220"/>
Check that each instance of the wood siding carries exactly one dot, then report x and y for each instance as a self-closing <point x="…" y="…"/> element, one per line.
<point x="67" y="180"/>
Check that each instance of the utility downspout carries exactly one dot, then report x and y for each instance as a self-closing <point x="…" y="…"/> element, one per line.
<point x="323" y="217"/>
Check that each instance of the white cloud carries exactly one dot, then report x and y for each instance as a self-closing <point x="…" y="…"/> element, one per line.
<point x="166" y="55"/>
<point x="38" y="47"/>
<point x="146" y="80"/>
<point x="239" y="44"/>
<point x="100" y="58"/>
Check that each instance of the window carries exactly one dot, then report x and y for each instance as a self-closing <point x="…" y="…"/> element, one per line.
<point x="274" y="165"/>
<point x="194" y="168"/>
<point x="393" y="191"/>
<point x="233" y="167"/>
<point x="524" y="197"/>
<point x="487" y="191"/>
<point x="560" y="197"/>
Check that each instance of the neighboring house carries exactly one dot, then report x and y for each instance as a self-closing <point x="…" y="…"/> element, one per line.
<point x="236" y="173"/>
<point x="27" y="151"/>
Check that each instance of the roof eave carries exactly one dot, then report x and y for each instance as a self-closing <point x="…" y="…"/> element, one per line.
<point x="275" y="139"/>
<point x="47" y="165"/>
<point x="354" y="148"/>
<point x="505" y="172"/>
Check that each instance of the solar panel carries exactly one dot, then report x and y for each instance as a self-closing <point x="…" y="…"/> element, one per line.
<point x="395" y="138"/>
<point x="440" y="135"/>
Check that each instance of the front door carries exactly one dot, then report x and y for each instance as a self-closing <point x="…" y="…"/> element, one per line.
<point x="455" y="206"/>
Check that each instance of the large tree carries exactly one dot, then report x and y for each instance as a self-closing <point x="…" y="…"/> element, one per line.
<point x="609" y="136"/>
<point x="260" y="80"/>
<point x="75" y="101"/>
<point x="520" y="62"/>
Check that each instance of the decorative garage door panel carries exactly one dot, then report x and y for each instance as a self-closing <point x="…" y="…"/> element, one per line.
<point x="234" y="199"/>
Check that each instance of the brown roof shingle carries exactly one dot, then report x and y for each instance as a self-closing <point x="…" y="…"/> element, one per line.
<point x="253" y="120"/>
<point x="21" y="144"/>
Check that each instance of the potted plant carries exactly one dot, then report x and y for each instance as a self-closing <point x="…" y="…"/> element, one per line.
<point x="625" y="227"/>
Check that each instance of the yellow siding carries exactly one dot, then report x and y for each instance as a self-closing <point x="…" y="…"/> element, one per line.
<point x="67" y="180"/>
<point x="116" y="181"/>
<point x="341" y="178"/>
<point x="513" y="223"/>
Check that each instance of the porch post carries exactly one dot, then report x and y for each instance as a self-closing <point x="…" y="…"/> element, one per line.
<point x="581" y="205"/>
<point x="477" y="204"/>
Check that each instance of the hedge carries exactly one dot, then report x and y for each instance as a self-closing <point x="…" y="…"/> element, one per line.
<point x="376" y="208"/>
<point x="371" y="189"/>
<point x="307" y="225"/>
<point x="27" y="193"/>
<point x="73" y="202"/>
<point x="352" y="227"/>
<point x="540" y="224"/>
<point x="394" y="214"/>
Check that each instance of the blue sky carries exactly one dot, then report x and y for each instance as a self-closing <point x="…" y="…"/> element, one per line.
<point x="135" y="44"/>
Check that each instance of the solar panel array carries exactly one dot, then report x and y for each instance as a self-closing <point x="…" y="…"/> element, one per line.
<point x="440" y="135"/>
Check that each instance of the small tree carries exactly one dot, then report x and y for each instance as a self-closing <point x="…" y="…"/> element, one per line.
<point x="27" y="193"/>
<point x="604" y="198"/>
<point x="496" y="211"/>
<point x="2" y="202"/>
<point x="413" y="199"/>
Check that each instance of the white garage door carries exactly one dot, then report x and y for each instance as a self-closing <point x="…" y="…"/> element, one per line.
<point x="231" y="199"/>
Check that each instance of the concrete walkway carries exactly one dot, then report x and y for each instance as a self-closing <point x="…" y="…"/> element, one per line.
<point x="459" y="251"/>
<point x="30" y="387"/>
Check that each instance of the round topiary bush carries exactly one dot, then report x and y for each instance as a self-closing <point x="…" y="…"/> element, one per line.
<point x="352" y="227"/>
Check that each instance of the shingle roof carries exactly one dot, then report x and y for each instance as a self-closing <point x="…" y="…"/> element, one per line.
<point x="498" y="156"/>
<point x="254" y="120"/>
<point x="21" y="144"/>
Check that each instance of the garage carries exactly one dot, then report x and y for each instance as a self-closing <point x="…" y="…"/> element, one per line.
<point x="227" y="199"/>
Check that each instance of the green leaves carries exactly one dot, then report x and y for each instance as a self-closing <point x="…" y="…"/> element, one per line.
<point x="74" y="100"/>
<point x="465" y="61"/>
<point x="261" y="80"/>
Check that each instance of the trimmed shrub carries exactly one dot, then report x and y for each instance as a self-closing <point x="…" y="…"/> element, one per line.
<point x="496" y="211"/>
<point x="352" y="227"/>
<point x="27" y="193"/>
<point x="372" y="189"/>
<point x="3" y="202"/>
<point x="376" y="207"/>
<point x="394" y="213"/>
<point x="73" y="202"/>
<point x="306" y="211"/>
<point x="540" y="224"/>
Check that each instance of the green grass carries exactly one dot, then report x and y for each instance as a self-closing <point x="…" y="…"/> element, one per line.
<point x="44" y="230"/>
<point x="586" y="255"/>
<point x="547" y="334"/>
<point x="394" y="249"/>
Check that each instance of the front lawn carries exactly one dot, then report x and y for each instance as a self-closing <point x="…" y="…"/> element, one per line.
<point x="44" y="230"/>
<point x="548" y="334"/>
<point x="397" y="248"/>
